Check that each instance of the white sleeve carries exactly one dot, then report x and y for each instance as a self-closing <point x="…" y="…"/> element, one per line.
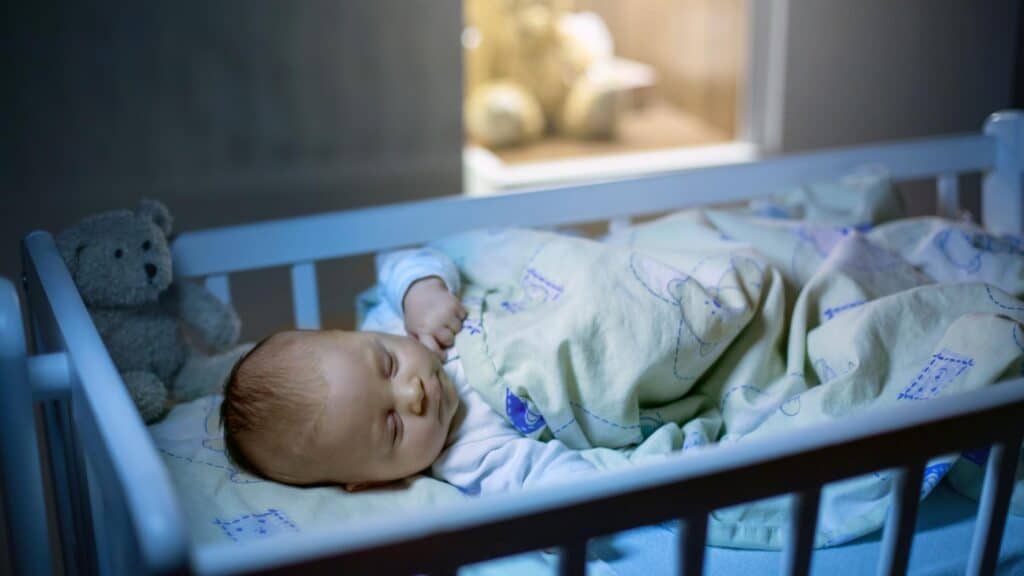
<point x="490" y="456"/>
<point x="398" y="270"/>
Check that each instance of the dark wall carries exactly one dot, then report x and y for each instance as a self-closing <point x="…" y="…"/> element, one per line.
<point x="231" y="112"/>
<point x="874" y="70"/>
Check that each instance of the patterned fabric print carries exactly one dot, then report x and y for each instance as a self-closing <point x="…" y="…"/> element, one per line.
<point x="791" y="407"/>
<point x="942" y="369"/>
<point x="257" y="526"/>
<point x="668" y="285"/>
<point x="831" y="313"/>
<point x="932" y="476"/>
<point x="211" y="452"/>
<point x="964" y="250"/>
<point x="523" y="415"/>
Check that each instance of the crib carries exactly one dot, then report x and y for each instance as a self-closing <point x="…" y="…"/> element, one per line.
<point x="117" y="512"/>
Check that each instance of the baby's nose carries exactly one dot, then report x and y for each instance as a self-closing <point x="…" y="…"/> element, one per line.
<point x="150" y="269"/>
<point x="413" y="395"/>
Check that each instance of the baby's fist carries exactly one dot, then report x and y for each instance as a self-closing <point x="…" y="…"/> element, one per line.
<point x="433" y="315"/>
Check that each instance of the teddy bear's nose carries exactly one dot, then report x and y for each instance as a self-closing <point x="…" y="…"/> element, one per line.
<point x="150" y="270"/>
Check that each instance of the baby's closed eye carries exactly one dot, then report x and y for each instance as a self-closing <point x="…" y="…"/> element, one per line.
<point x="393" y="426"/>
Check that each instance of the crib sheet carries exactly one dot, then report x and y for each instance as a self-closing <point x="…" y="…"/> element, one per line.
<point x="223" y="503"/>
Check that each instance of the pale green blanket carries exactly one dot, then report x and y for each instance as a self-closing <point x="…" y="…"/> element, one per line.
<point x="708" y="327"/>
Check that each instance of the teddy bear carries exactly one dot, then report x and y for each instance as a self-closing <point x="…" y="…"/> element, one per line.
<point x="121" y="263"/>
<point x="527" y="73"/>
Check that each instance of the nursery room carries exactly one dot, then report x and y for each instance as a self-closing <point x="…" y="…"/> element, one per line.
<point x="513" y="287"/>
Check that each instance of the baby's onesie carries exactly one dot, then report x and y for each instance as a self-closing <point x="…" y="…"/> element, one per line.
<point x="484" y="453"/>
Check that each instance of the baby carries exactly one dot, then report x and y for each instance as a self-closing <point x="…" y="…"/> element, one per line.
<point x="362" y="409"/>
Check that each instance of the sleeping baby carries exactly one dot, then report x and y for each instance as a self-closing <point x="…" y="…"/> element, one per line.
<point x="362" y="409"/>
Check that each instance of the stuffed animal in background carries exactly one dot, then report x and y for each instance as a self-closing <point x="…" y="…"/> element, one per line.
<point x="121" y="263"/>
<point x="527" y="72"/>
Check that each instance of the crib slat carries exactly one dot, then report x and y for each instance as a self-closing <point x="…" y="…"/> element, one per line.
<point x="693" y="532"/>
<point x="572" y="559"/>
<point x="220" y="287"/>
<point x="947" y="195"/>
<point x="899" y="529"/>
<point x="305" y="299"/>
<point x="995" y="501"/>
<point x="796" y="559"/>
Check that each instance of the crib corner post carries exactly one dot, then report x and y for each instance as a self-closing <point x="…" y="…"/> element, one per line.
<point x="1002" y="202"/>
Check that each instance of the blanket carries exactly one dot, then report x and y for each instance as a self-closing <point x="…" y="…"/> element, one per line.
<point x="720" y="326"/>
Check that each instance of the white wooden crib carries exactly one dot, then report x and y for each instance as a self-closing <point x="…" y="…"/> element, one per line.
<point x="117" y="512"/>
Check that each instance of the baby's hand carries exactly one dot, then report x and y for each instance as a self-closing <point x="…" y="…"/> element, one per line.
<point x="433" y="315"/>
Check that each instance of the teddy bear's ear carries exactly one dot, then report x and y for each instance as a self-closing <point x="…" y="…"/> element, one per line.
<point x="70" y="243"/>
<point x="156" y="213"/>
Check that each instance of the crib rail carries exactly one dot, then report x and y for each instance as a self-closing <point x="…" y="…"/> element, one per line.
<point x="301" y="242"/>
<point x="216" y="252"/>
<point x="117" y="509"/>
<point x="20" y="473"/>
<point x="683" y="488"/>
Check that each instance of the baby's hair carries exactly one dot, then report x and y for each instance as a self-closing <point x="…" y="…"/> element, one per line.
<point x="257" y="401"/>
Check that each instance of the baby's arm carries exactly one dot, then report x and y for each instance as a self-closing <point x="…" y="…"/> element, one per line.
<point x="421" y="286"/>
<point x="490" y="456"/>
<point x="511" y="463"/>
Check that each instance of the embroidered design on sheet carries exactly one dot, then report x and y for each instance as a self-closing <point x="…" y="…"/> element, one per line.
<point x="602" y="419"/>
<point x="942" y="369"/>
<point x="823" y="370"/>
<point x="964" y="250"/>
<point x="834" y="311"/>
<point x="791" y="407"/>
<point x="1011" y="307"/>
<point x="649" y="422"/>
<point x="257" y="526"/>
<point x="522" y="413"/>
<point x="536" y="289"/>
<point x="472" y="326"/>
<point x="669" y="285"/>
<point x="932" y="476"/>
<point x="211" y="451"/>
<point x="694" y="438"/>
<point x="741" y="388"/>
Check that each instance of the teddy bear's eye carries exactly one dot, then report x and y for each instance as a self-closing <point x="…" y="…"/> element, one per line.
<point x="146" y="245"/>
<point x="118" y="253"/>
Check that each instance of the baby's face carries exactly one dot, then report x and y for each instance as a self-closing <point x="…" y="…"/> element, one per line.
<point x="388" y="408"/>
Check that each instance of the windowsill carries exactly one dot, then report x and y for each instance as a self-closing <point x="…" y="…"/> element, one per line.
<point x="484" y="173"/>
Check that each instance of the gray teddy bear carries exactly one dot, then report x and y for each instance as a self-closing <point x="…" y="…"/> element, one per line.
<point x="121" y="263"/>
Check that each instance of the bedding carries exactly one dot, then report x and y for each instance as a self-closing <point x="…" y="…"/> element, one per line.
<point x="726" y="326"/>
<point x="782" y="323"/>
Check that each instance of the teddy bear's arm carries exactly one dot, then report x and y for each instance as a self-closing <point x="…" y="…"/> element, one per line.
<point x="148" y="392"/>
<point x="212" y="321"/>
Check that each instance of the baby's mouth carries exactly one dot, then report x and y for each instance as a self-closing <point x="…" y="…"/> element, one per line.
<point x="442" y="397"/>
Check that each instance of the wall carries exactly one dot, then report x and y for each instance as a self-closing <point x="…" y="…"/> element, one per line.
<point x="232" y="112"/>
<point x="877" y="69"/>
